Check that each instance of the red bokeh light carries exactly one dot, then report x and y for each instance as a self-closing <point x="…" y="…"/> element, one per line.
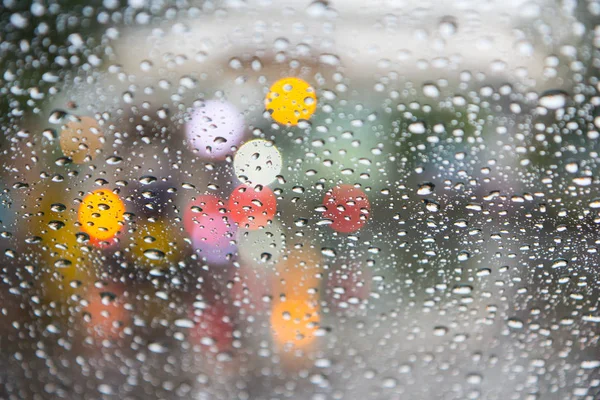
<point x="252" y="207"/>
<point x="213" y="328"/>
<point x="347" y="207"/>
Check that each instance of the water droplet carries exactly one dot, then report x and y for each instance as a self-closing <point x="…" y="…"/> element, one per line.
<point x="154" y="254"/>
<point x="431" y="90"/>
<point x="157" y="348"/>
<point x="553" y="99"/>
<point x="147" y="180"/>
<point x="56" y="225"/>
<point x="417" y="127"/>
<point x="462" y="289"/>
<point x="583" y="181"/>
<point x="184" y="323"/>
<point x="559" y="263"/>
<point x="62" y="263"/>
<point x="515" y="323"/>
<point x="425" y="189"/>
<point x="328" y="252"/>
<point x="58" y="207"/>
<point x="448" y="26"/>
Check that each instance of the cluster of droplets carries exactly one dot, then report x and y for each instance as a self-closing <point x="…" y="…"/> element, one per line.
<point x="217" y="228"/>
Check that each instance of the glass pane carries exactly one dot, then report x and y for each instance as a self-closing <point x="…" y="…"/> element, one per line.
<point x="387" y="199"/>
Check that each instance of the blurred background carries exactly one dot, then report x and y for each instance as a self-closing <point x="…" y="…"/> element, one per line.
<point x="381" y="199"/>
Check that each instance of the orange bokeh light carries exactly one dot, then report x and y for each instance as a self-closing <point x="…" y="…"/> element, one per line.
<point x="295" y="321"/>
<point x="105" y="316"/>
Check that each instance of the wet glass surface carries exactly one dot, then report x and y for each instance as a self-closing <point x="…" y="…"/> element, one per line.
<point x="299" y="200"/>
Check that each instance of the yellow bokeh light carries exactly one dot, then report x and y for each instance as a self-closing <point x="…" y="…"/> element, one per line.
<point x="298" y="274"/>
<point x="155" y="243"/>
<point x="290" y="100"/>
<point x="101" y="214"/>
<point x="295" y="321"/>
<point x="66" y="264"/>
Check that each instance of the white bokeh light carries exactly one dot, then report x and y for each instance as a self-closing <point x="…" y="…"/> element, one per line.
<point x="258" y="162"/>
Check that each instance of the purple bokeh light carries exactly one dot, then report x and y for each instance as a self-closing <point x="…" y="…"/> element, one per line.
<point x="214" y="128"/>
